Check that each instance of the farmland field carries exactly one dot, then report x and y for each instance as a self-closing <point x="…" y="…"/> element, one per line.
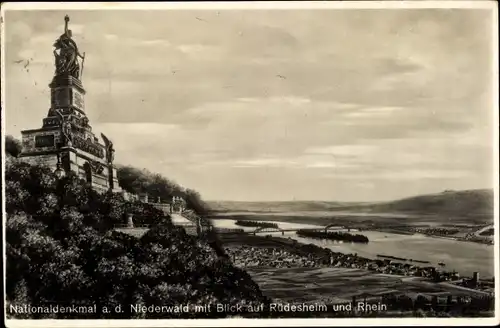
<point x="336" y="285"/>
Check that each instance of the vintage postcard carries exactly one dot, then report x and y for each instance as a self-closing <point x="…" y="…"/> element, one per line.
<point x="250" y="164"/>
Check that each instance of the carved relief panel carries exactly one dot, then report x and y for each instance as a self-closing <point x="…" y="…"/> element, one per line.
<point x="78" y="100"/>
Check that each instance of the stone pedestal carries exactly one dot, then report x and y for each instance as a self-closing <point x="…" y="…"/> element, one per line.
<point x="66" y="92"/>
<point x="112" y="176"/>
<point x="82" y="153"/>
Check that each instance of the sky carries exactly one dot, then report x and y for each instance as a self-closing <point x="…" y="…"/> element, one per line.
<point x="276" y="105"/>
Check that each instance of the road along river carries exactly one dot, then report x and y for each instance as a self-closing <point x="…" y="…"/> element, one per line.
<point x="464" y="257"/>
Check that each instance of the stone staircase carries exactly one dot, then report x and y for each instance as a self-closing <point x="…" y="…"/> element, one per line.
<point x="202" y="225"/>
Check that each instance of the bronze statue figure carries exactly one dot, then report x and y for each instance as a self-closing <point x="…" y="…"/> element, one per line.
<point x="67" y="58"/>
<point x="96" y="167"/>
<point x="66" y="128"/>
<point x="110" y="151"/>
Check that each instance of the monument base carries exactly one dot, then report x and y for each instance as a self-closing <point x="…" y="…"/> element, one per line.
<point x="94" y="171"/>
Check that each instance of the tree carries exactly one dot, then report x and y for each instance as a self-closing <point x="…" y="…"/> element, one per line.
<point x="156" y="186"/>
<point x="13" y="147"/>
<point x="194" y="201"/>
<point x="62" y="249"/>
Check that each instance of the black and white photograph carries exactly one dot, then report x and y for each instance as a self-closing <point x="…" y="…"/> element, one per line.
<point x="246" y="164"/>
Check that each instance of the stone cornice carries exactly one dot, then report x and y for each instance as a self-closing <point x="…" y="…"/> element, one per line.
<point x="52" y="128"/>
<point x="76" y="151"/>
<point x="65" y="81"/>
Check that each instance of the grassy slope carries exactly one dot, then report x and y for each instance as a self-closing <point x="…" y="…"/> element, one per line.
<point x="473" y="204"/>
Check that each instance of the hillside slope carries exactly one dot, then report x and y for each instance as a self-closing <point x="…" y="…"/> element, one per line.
<point x="62" y="250"/>
<point x="465" y="203"/>
<point x="470" y="204"/>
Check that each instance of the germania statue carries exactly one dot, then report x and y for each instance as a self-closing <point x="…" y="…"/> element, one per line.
<point x="67" y="58"/>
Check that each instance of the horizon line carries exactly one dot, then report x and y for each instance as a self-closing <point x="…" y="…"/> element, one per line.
<point x="350" y="201"/>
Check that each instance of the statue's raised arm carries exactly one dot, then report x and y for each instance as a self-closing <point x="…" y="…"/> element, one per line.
<point x="66" y="21"/>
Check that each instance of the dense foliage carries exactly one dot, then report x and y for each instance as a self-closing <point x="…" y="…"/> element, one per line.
<point x="340" y="236"/>
<point x="157" y="186"/>
<point x="13" y="146"/>
<point x="244" y="223"/>
<point x="62" y="250"/>
<point x="487" y="232"/>
<point x="137" y="181"/>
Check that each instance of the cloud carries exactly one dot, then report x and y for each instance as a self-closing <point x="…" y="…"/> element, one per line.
<point x="395" y="65"/>
<point x="202" y="52"/>
<point x="342" y="150"/>
<point x="138" y="129"/>
<point x="291" y="100"/>
<point x="264" y="162"/>
<point x="383" y="95"/>
<point x="321" y="165"/>
<point x="45" y="39"/>
<point x="290" y="162"/>
<point x="191" y="48"/>
<point x="155" y="42"/>
<point x="249" y="100"/>
<point x="374" y="112"/>
<point x="110" y="88"/>
<point x="108" y="36"/>
<point x="405" y="175"/>
<point x="18" y="31"/>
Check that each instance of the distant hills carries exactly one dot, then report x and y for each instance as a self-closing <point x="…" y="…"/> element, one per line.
<point x="473" y="204"/>
<point x="286" y="206"/>
<point x="464" y="202"/>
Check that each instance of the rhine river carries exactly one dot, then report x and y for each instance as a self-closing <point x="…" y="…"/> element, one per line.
<point x="464" y="257"/>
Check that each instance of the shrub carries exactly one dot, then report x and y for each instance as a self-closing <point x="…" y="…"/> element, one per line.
<point x="13" y="147"/>
<point x="62" y="250"/>
<point x="138" y="182"/>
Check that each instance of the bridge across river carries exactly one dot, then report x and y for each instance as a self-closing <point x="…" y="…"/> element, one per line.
<point x="277" y="229"/>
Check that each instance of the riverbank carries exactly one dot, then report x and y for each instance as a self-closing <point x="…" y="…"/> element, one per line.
<point x="489" y="242"/>
<point x="462" y="257"/>
<point x="410" y="231"/>
<point x="325" y="257"/>
<point x="291" y="272"/>
<point x="390" y="257"/>
<point x="376" y="223"/>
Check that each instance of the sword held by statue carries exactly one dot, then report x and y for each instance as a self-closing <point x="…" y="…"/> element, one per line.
<point x="83" y="61"/>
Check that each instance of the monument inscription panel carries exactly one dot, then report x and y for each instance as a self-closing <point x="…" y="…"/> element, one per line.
<point x="44" y="141"/>
<point x="78" y="101"/>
